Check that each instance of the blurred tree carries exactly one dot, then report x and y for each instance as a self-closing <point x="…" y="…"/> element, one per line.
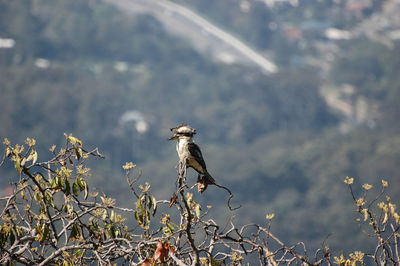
<point x="363" y="65"/>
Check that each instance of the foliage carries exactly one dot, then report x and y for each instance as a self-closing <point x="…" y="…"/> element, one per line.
<point x="51" y="217"/>
<point x="363" y="57"/>
<point x="272" y="138"/>
<point x="382" y="224"/>
<point x="371" y="68"/>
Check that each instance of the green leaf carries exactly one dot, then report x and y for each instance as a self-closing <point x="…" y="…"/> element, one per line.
<point x="23" y="195"/>
<point x="23" y="161"/>
<point x="118" y="232"/>
<point x="60" y="182"/>
<point x="75" y="233"/>
<point x="74" y="140"/>
<point x="68" y="208"/>
<point x="67" y="187"/>
<point x="150" y="202"/>
<point x="37" y="196"/>
<point x="78" y="152"/>
<point x="38" y="231"/>
<point x="76" y="189"/>
<point x="48" y="198"/>
<point x="112" y="216"/>
<point x="139" y="205"/>
<point x="168" y="230"/>
<point x="78" y="252"/>
<point x="80" y="182"/>
<point x="171" y="227"/>
<point x="35" y="156"/>
<point x="54" y="182"/>
<point x="57" y="182"/>
<point x="147" y="215"/>
<point x="105" y="215"/>
<point x="197" y="210"/>
<point x="83" y="186"/>
<point x="138" y="218"/>
<point x="46" y="232"/>
<point x="86" y="191"/>
<point x="17" y="165"/>
<point x="32" y="156"/>
<point x="154" y="202"/>
<point x="110" y="230"/>
<point x="12" y="237"/>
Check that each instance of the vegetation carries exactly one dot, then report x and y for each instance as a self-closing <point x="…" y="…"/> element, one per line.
<point x="273" y="140"/>
<point x="52" y="217"/>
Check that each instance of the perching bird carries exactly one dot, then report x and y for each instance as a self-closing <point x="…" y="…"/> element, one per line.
<point x="190" y="154"/>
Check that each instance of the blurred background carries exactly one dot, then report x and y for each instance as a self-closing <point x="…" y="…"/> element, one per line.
<point x="288" y="98"/>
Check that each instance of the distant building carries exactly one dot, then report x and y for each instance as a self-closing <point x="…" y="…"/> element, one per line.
<point x="7" y="43"/>
<point x="42" y="63"/>
<point x="337" y="34"/>
<point x="135" y="117"/>
<point x="293" y="33"/>
<point x="357" y="7"/>
<point x="272" y="3"/>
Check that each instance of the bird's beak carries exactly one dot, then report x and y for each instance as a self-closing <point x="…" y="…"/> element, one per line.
<point x="173" y="137"/>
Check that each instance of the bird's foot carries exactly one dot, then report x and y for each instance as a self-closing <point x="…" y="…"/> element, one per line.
<point x="203" y="182"/>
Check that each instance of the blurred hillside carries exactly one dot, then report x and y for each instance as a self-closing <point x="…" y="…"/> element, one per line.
<point x="282" y="142"/>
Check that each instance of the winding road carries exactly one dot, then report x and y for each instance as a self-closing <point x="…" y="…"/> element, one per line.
<point x="202" y="34"/>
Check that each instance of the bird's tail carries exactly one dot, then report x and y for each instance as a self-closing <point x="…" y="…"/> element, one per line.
<point x="209" y="178"/>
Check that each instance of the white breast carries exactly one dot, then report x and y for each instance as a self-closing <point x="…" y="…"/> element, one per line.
<point x="182" y="150"/>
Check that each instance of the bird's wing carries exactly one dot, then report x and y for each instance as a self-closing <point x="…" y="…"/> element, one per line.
<point x="196" y="153"/>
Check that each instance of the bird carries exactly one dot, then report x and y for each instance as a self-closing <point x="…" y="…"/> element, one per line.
<point x="189" y="154"/>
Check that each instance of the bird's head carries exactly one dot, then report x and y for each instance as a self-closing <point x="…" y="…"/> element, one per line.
<point x="182" y="131"/>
